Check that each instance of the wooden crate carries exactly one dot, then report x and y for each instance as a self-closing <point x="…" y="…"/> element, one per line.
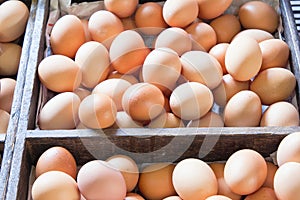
<point x="144" y="145"/>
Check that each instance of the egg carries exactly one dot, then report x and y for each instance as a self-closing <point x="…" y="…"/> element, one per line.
<point x="288" y="149"/>
<point x="13" y="20"/>
<point x="67" y="36"/>
<point x="86" y="30"/>
<point x="109" y="24"/>
<point x="128" y="23"/>
<point x="243" y="58"/>
<point x="248" y="113"/>
<point x="128" y="52"/>
<point x="199" y="66"/>
<point x="60" y="112"/>
<point x="259" y="15"/>
<point x="59" y="73"/>
<point x="280" y="114"/>
<point x="272" y="168"/>
<point x="287" y="182"/>
<point x="56" y="159"/>
<point x="245" y="171"/>
<point x="133" y="196"/>
<point x="273" y="85"/>
<point x="256" y="34"/>
<point x="99" y="180"/>
<point x="156" y="181"/>
<point x="218" y="51"/>
<point x="226" y="27"/>
<point x="264" y="193"/>
<point x="10" y="55"/>
<point x="128" y="167"/>
<point x="97" y="111"/>
<point x="4" y="116"/>
<point x="211" y="119"/>
<point x="203" y="36"/>
<point x="275" y="53"/>
<point x="179" y="13"/>
<point x="128" y="77"/>
<point x="143" y="101"/>
<point x="166" y="120"/>
<point x="218" y="197"/>
<point x="149" y="18"/>
<point x="194" y="179"/>
<point x="82" y="93"/>
<point x="93" y="59"/>
<point x="174" y="38"/>
<point x="173" y="198"/>
<point x="211" y="9"/>
<point x="117" y="7"/>
<point x="7" y="89"/>
<point x="123" y="120"/>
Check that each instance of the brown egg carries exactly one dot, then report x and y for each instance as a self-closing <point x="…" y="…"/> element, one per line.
<point x="191" y="100"/>
<point x="211" y="9"/>
<point x="10" y="55"/>
<point x="287" y="182"/>
<point x="270" y="175"/>
<point x="56" y="159"/>
<point x="143" y="101"/>
<point x="226" y="27"/>
<point x="82" y="93"/>
<point x="97" y="111"/>
<point x="118" y="7"/>
<point x="275" y="53"/>
<point x="55" y="185"/>
<point x="128" y="77"/>
<point x="149" y="18"/>
<point x="59" y="73"/>
<point x="7" y="90"/>
<point x="243" y="58"/>
<point x="227" y="88"/>
<point x="173" y="198"/>
<point x="67" y="36"/>
<point x="248" y="113"/>
<point x="245" y="171"/>
<point x="128" y="167"/>
<point x="174" y="38"/>
<point x="273" y="85"/>
<point x="85" y="24"/>
<point x="264" y="193"/>
<point x="4" y="116"/>
<point x="99" y="180"/>
<point x="179" y="13"/>
<point x="166" y="120"/>
<point x="256" y="34"/>
<point x="194" y="178"/>
<point x="128" y="23"/>
<point x="133" y="196"/>
<point x="128" y="52"/>
<point x="156" y="181"/>
<point x="109" y="24"/>
<point x="123" y="120"/>
<point x="288" y="149"/>
<point x="60" y="112"/>
<point x="258" y="15"/>
<point x="211" y="119"/>
<point x="203" y="36"/>
<point x="218" y="197"/>
<point x="218" y="51"/>
<point x="13" y="20"/>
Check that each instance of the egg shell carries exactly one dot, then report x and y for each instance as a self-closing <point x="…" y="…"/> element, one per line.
<point x="56" y="159"/>
<point x="245" y="171"/>
<point x="13" y="20"/>
<point x="218" y="197"/>
<point x="99" y="180"/>
<point x="133" y="196"/>
<point x="128" y="52"/>
<point x="67" y="36"/>
<point x="156" y="181"/>
<point x="259" y="15"/>
<point x="191" y="100"/>
<point x="218" y="51"/>
<point x="211" y="119"/>
<point x="256" y="34"/>
<point x="243" y="58"/>
<point x="97" y="111"/>
<point x="128" y="167"/>
<point x="275" y="53"/>
<point x="179" y="13"/>
<point x="149" y="18"/>
<point x="82" y="93"/>
<point x="194" y="179"/>
<point x="273" y="85"/>
<point x="4" y="116"/>
<point x="264" y="193"/>
<point x="272" y="168"/>
<point x="117" y="7"/>
<point x="174" y="38"/>
<point x="109" y="24"/>
<point x="128" y="77"/>
<point x="123" y="120"/>
<point x="59" y="73"/>
<point x="247" y="114"/>
<point x="173" y="198"/>
<point x="199" y="66"/>
<point x="7" y="90"/>
<point x="287" y="182"/>
<point x="93" y="59"/>
<point x="211" y="9"/>
<point x="60" y="112"/>
<point x="55" y="185"/>
<point x="10" y="55"/>
<point x="288" y="149"/>
<point x="166" y="120"/>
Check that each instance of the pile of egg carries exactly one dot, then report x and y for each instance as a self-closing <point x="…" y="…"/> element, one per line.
<point x="199" y="59"/>
<point x="245" y="175"/>
<point x="13" y="20"/>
